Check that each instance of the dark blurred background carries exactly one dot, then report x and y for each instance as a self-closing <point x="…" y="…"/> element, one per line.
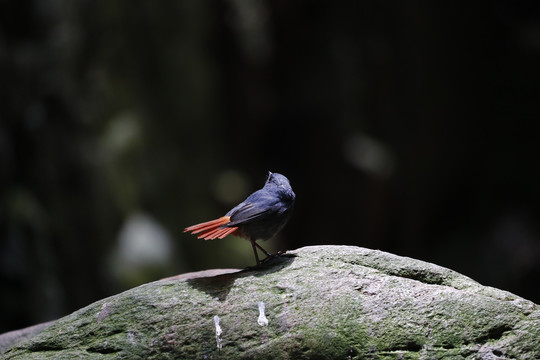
<point x="411" y="127"/>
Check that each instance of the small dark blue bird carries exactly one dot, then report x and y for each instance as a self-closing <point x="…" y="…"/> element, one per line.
<point x="260" y="217"/>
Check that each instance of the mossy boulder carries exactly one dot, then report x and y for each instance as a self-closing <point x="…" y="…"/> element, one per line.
<point x="317" y="302"/>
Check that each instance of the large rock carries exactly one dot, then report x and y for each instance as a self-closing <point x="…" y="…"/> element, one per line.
<point x="321" y="302"/>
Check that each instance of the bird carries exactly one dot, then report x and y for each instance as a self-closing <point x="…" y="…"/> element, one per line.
<point x="259" y="217"/>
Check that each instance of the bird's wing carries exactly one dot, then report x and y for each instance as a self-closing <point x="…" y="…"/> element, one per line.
<point x="248" y="212"/>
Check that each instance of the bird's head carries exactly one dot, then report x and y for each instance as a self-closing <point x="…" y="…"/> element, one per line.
<point x="280" y="182"/>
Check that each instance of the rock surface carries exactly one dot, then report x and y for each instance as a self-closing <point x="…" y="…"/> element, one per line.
<point x="318" y="302"/>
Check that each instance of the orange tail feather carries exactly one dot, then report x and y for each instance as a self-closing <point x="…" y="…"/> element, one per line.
<point x="212" y="229"/>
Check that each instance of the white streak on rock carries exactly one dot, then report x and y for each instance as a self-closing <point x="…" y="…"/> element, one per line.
<point x="106" y="310"/>
<point x="262" y="320"/>
<point x="218" y="332"/>
<point x="131" y="337"/>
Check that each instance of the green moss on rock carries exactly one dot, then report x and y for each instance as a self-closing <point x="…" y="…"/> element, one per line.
<point x="322" y="302"/>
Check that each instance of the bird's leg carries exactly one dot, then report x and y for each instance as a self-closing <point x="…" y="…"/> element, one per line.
<point x="264" y="251"/>
<point x="254" y="244"/>
<point x="268" y="255"/>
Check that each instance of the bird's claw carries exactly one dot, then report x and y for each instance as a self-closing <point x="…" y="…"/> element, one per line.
<point x="272" y="256"/>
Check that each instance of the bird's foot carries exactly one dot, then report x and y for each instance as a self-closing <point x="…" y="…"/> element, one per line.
<point x="272" y="256"/>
